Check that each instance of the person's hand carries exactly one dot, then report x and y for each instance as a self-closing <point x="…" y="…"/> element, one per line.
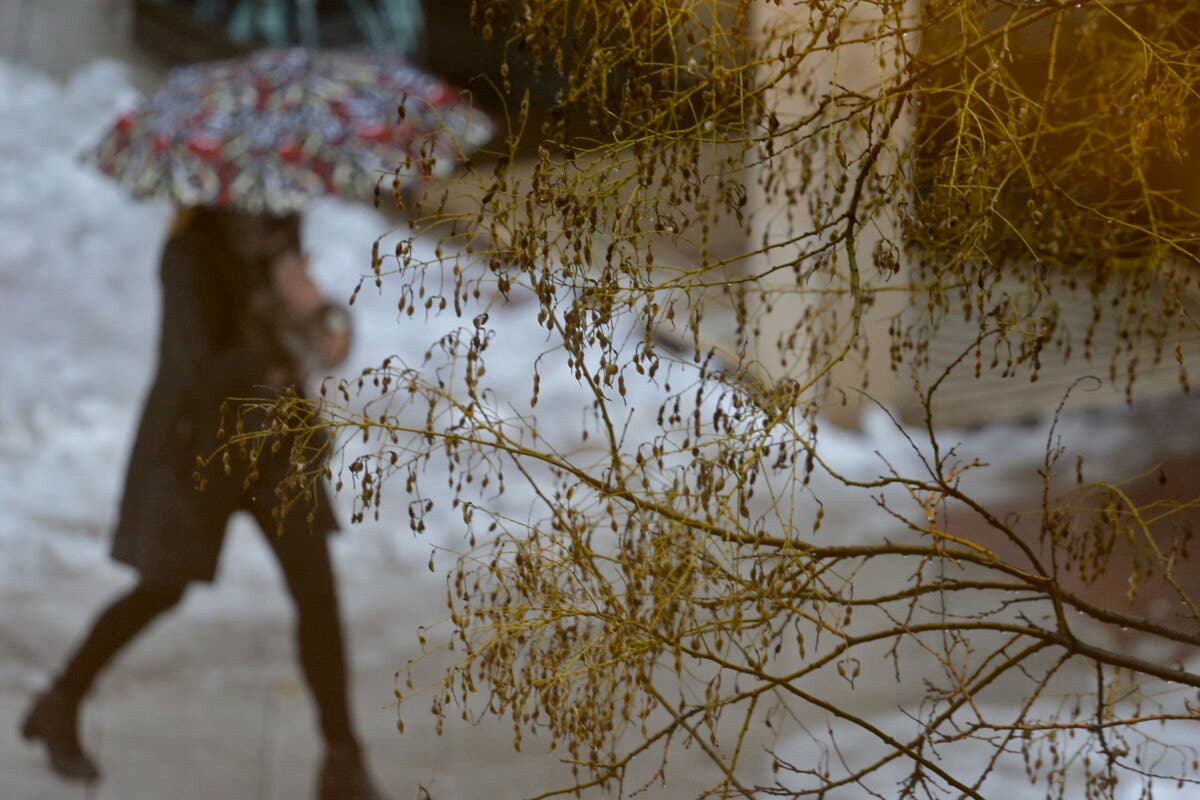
<point x="336" y="335"/>
<point x="289" y="276"/>
<point x="335" y="348"/>
<point x="280" y="377"/>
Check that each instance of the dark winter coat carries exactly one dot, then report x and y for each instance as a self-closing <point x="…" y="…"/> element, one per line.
<point x="167" y="529"/>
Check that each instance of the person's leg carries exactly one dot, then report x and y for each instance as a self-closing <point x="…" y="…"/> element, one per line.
<point x="115" y="628"/>
<point x="304" y="558"/>
<point x="53" y="720"/>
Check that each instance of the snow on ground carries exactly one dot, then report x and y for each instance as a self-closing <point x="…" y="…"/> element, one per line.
<point x="78" y="288"/>
<point x="1012" y="776"/>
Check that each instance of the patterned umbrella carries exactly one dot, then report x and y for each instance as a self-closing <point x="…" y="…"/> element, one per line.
<point x="270" y="132"/>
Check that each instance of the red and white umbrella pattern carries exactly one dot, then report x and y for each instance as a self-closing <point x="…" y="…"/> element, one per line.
<point x="270" y="132"/>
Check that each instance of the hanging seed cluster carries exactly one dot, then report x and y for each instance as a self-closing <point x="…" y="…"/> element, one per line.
<point x="1059" y="147"/>
<point x="682" y="591"/>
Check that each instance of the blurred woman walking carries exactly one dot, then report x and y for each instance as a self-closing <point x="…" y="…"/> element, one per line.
<point x="234" y="285"/>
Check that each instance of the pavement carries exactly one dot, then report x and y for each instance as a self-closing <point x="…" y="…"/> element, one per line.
<point x="209" y="702"/>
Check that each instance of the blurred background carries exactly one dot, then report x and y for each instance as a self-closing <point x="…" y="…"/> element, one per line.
<point x="210" y="703"/>
<point x="57" y="37"/>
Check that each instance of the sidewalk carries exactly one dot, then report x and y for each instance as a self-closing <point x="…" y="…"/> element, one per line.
<point x="205" y="706"/>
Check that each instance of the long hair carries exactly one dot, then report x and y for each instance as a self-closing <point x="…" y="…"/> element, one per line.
<point x="238" y="250"/>
<point x="244" y="245"/>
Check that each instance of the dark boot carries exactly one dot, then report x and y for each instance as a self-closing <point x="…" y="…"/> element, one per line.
<point x="344" y="775"/>
<point x="54" y="721"/>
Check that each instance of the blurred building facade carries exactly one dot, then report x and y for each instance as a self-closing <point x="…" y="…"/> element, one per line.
<point x="57" y="37"/>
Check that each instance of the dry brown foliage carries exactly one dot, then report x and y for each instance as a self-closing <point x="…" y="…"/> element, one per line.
<point x="679" y="590"/>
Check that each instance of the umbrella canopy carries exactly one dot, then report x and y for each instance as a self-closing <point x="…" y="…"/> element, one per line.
<point x="270" y="132"/>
